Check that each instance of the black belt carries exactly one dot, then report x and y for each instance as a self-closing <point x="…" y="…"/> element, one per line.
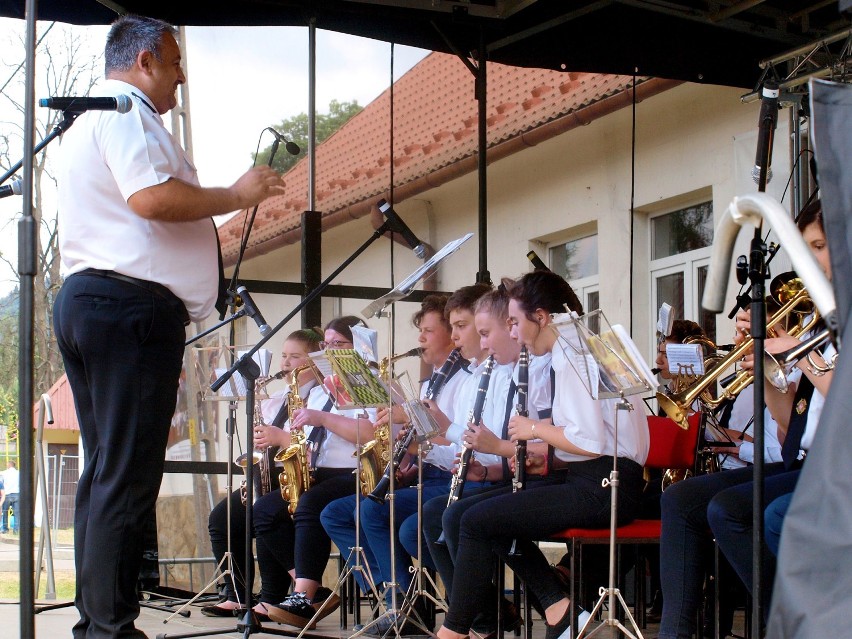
<point x="157" y="289"/>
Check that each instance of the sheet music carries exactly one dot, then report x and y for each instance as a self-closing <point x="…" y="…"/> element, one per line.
<point x="234" y="388"/>
<point x="685" y="359"/>
<point x="402" y="289"/>
<point x="665" y="320"/>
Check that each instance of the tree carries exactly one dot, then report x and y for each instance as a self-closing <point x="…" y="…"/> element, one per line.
<point x="295" y="129"/>
<point x="65" y="67"/>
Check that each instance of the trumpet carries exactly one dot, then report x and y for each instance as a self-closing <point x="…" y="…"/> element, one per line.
<point x="794" y="298"/>
<point x="777" y="367"/>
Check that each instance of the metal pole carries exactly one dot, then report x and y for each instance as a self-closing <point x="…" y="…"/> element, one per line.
<point x="312" y="112"/>
<point x="27" y="271"/>
<point x="481" y="99"/>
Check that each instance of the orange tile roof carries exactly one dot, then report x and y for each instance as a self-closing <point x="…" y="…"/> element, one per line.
<point x="62" y="402"/>
<point x="435" y="129"/>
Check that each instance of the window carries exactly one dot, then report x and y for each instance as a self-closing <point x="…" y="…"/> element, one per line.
<point x="680" y="256"/>
<point x="577" y="261"/>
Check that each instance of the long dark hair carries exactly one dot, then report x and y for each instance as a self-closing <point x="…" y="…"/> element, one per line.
<point x="343" y="325"/>
<point x="547" y="290"/>
<point x="810" y="214"/>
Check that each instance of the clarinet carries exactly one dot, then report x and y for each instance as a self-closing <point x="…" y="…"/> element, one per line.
<point x="381" y="490"/>
<point x="519" y="481"/>
<point x="475" y="416"/>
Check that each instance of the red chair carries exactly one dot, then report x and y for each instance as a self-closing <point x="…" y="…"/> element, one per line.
<point x="670" y="447"/>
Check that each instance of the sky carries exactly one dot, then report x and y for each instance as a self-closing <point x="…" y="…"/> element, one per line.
<point x="241" y="80"/>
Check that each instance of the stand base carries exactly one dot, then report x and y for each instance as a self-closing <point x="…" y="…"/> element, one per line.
<point x="610" y="595"/>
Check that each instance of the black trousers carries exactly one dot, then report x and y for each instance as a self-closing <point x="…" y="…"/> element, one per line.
<point x="122" y="346"/>
<point x="300" y="541"/>
<point x="542" y="509"/>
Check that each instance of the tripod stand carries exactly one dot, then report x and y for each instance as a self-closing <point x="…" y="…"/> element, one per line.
<point x="227" y="559"/>
<point x="416" y="590"/>
<point x="610" y="594"/>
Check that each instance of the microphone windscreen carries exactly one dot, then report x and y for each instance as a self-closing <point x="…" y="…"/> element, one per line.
<point x="123" y="103"/>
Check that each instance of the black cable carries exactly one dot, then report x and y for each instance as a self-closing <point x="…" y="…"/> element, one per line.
<point x="632" y="191"/>
<point x="390" y="197"/>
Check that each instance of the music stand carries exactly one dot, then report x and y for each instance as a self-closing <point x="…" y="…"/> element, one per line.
<point x="207" y="365"/>
<point x="377" y="308"/>
<point x="611" y="367"/>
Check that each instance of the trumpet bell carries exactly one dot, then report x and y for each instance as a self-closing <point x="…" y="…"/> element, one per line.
<point x="775" y="373"/>
<point x="241" y="461"/>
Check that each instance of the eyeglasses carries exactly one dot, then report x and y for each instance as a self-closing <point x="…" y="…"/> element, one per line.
<point x="338" y="343"/>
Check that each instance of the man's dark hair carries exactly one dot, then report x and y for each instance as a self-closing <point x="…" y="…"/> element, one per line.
<point x="432" y="304"/>
<point x="465" y="298"/>
<point x="128" y="36"/>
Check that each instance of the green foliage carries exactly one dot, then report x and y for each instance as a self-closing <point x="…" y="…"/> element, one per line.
<point x="9" y="359"/>
<point x="295" y="129"/>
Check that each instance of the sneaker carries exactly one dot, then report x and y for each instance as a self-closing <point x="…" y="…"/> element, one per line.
<point x="562" y="628"/>
<point x="298" y="610"/>
<point x="323" y="594"/>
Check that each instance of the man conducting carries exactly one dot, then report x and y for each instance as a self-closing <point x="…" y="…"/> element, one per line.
<point x="139" y="255"/>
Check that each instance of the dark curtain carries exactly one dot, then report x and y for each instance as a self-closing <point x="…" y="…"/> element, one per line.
<point x="814" y="578"/>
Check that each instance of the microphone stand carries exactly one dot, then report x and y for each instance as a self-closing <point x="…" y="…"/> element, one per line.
<point x="379" y="232"/>
<point x="757" y="277"/>
<point x="68" y="118"/>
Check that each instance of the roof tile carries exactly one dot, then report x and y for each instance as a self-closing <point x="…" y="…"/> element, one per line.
<point x="436" y="120"/>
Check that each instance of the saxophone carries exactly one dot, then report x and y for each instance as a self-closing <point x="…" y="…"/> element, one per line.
<point x="295" y="478"/>
<point x="259" y="457"/>
<point x="376" y="453"/>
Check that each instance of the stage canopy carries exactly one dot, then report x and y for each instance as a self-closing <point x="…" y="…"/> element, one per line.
<point x="715" y="42"/>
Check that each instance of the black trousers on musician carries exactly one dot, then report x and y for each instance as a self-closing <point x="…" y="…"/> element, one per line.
<point x="544" y="508"/>
<point x="300" y="541"/>
<point x="122" y="346"/>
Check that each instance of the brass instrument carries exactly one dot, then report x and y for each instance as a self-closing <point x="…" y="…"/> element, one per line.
<point x="259" y="457"/>
<point x="794" y="298"/>
<point x="777" y="367"/>
<point x="296" y="476"/>
<point x="379" y="493"/>
<point x="376" y="453"/>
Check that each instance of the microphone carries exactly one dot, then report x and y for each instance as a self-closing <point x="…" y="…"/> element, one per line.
<point x="292" y="147"/>
<point x="11" y="189"/>
<point x="398" y="226"/>
<point x="120" y="103"/>
<point x="766" y="130"/>
<point x="252" y="310"/>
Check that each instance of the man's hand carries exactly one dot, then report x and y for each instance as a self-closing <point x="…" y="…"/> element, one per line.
<point x="255" y="185"/>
